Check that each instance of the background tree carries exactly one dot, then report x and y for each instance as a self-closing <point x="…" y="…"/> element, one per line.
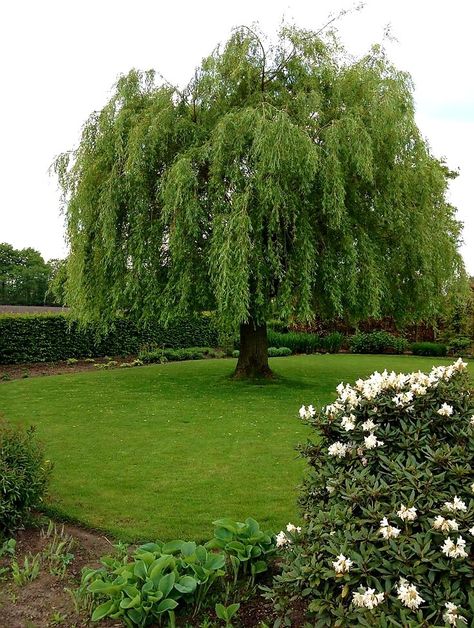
<point x="56" y="293"/>
<point x="290" y="178"/>
<point x="23" y="276"/>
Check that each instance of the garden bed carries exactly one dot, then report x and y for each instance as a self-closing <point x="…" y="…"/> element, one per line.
<point x="47" y="601"/>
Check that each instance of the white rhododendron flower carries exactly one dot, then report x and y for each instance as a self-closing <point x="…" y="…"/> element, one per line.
<point x="371" y="441"/>
<point x="368" y="426"/>
<point x="451" y="616"/>
<point x="306" y="412"/>
<point x="454" y="550"/>
<point x="456" y="504"/>
<point x="342" y="564"/>
<point x="367" y="599"/>
<point x="388" y="531"/>
<point x="408" y="594"/>
<point x="472" y="487"/>
<point x="471" y="421"/>
<point x="418" y="389"/>
<point x="446" y="410"/>
<point x="407" y="514"/>
<point x="282" y="539"/>
<point x="445" y="525"/>
<point x="291" y="528"/>
<point x="402" y="399"/>
<point x="348" y="422"/>
<point x="471" y="531"/>
<point x="338" y="449"/>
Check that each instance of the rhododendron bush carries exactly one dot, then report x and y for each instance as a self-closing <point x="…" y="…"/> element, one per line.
<point x="388" y="503"/>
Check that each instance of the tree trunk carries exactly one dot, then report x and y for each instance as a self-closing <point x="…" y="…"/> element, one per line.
<point x="253" y="357"/>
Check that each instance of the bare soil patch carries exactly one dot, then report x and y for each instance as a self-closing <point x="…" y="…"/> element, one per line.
<point x="37" y="369"/>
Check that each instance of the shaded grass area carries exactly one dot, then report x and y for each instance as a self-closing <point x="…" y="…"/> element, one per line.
<point x="161" y="451"/>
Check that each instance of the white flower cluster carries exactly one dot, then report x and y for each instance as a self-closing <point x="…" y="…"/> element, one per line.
<point x="452" y="616"/>
<point x="348" y="422"/>
<point x="446" y="410"/>
<point x="282" y="539"/>
<point x="445" y="525"/>
<point x="342" y="564"/>
<point x="367" y="599"/>
<point x="405" y="386"/>
<point x="338" y="449"/>
<point x="371" y="441"/>
<point x="454" y="550"/>
<point x="388" y="531"/>
<point x="306" y="412"/>
<point x="407" y="514"/>
<point x="408" y="594"/>
<point x="456" y="504"/>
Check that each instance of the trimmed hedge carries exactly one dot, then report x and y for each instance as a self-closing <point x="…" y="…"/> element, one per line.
<point x="429" y="348"/>
<point x="49" y="338"/>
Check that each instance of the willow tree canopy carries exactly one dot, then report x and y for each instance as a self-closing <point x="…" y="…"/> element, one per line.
<point x="291" y="180"/>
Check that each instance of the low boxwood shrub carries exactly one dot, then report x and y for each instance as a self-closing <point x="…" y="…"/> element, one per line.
<point x="278" y="352"/>
<point x="177" y="355"/>
<point x="388" y="504"/>
<point x="377" y="342"/>
<point x="429" y="348"/>
<point x="24" y="476"/>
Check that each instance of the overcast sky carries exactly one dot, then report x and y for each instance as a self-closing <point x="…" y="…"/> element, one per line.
<point x="60" y="58"/>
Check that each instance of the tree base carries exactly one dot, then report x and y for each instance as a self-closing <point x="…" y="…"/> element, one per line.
<point x="253" y="356"/>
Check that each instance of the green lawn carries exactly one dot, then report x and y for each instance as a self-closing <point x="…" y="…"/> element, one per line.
<point x="160" y="451"/>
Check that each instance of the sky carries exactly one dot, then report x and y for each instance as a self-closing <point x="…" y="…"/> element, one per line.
<point x="60" y="58"/>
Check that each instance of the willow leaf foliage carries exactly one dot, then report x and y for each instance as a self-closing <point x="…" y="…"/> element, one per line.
<point x="289" y="178"/>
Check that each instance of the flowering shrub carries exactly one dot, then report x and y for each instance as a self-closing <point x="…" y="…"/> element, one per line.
<point x="389" y="505"/>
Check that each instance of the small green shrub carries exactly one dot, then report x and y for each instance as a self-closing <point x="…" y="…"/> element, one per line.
<point x="24" y="476"/>
<point x="175" y="355"/>
<point x="72" y="361"/>
<point x="429" y="348"/>
<point x="388" y="505"/>
<point x="460" y="344"/>
<point x="278" y="352"/>
<point x="333" y="342"/>
<point x="377" y="342"/>
<point x="235" y="353"/>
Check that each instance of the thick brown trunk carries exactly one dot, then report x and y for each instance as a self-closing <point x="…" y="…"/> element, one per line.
<point x="253" y="357"/>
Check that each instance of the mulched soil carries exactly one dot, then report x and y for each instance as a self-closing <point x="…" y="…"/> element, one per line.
<point x="35" y="369"/>
<point x="46" y="602"/>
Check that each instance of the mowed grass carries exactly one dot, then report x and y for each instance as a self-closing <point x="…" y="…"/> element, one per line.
<point x="161" y="451"/>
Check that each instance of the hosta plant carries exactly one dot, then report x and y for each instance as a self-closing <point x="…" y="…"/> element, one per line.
<point x="388" y="503"/>
<point x="148" y="586"/>
<point x="246" y="546"/>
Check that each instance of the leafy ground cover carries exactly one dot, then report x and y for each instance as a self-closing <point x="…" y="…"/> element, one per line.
<point x="161" y="451"/>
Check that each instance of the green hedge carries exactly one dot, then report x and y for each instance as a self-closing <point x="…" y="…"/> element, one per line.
<point x="429" y="348"/>
<point x="49" y="338"/>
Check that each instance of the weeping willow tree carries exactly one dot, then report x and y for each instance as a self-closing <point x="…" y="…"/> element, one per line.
<point x="289" y="179"/>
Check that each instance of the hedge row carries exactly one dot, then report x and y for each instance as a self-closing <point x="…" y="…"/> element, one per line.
<point x="48" y="338"/>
